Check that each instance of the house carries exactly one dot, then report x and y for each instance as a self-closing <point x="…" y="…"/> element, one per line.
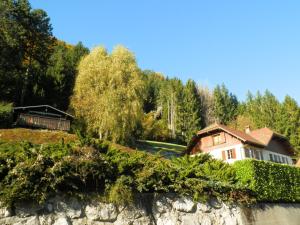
<point x="42" y="116"/>
<point x="230" y="145"/>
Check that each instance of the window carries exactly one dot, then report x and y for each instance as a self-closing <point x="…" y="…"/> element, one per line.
<point x="275" y="158"/>
<point x="283" y="159"/>
<point x="256" y="154"/>
<point x="261" y="155"/>
<point x="217" y="139"/>
<point x="230" y="153"/>
<point x="249" y="153"/>
<point x="271" y="157"/>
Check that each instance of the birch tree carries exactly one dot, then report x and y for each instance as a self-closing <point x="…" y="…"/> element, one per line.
<point x="108" y="93"/>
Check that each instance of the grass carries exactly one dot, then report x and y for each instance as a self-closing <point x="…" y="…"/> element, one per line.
<point x="35" y="136"/>
<point x="165" y="149"/>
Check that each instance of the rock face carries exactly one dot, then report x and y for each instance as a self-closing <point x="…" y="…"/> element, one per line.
<point x="156" y="210"/>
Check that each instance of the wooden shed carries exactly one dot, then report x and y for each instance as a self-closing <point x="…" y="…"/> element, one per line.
<point x="42" y="116"/>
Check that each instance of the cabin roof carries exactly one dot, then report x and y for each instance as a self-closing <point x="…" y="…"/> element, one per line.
<point x="236" y="133"/>
<point x="45" y="107"/>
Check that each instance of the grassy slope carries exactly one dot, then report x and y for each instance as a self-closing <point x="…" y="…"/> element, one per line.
<point x="35" y="136"/>
<point x="165" y="149"/>
<point x="45" y="136"/>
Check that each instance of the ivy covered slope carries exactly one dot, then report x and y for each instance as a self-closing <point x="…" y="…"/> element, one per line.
<point x="38" y="171"/>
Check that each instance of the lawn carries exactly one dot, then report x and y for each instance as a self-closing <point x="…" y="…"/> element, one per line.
<point x="167" y="150"/>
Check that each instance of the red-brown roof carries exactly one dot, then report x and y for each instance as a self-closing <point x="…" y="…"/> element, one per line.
<point x="265" y="135"/>
<point x="236" y="133"/>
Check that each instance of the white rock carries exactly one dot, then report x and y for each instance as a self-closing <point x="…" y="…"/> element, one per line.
<point x="70" y="207"/>
<point x="80" y="221"/>
<point x="170" y="218"/>
<point x="205" y="220"/>
<point x="32" y="221"/>
<point x="5" y="212"/>
<point x="46" y="219"/>
<point x="190" y="219"/>
<point x="101" y="211"/>
<point x="184" y="205"/>
<point x="61" y="221"/>
<point x="162" y="204"/>
<point x="204" y="207"/>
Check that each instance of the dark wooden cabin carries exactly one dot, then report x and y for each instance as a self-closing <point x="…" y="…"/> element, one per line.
<point x="42" y="116"/>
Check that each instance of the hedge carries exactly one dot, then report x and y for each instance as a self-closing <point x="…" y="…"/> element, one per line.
<point x="5" y="115"/>
<point x="271" y="182"/>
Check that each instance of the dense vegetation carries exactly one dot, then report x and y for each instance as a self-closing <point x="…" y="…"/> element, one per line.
<point x="36" y="172"/>
<point x="35" y="67"/>
<point x="5" y="115"/>
<point x="119" y="101"/>
<point x="89" y="167"/>
<point x="271" y="182"/>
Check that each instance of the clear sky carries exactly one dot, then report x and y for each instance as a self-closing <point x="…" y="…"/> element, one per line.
<point x="248" y="45"/>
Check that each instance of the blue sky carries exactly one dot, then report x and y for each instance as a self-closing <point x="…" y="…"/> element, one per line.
<point x="248" y="45"/>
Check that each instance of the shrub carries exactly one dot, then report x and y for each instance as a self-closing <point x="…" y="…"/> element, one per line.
<point x="271" y="182"/>
<point x="5" y="115"/>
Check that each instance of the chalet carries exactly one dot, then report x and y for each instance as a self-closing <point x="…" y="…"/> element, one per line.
<point x="42" y="116"/>
<point x="230" y="145"/>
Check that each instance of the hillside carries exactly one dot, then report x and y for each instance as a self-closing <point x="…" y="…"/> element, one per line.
<point x="35" y="136"/>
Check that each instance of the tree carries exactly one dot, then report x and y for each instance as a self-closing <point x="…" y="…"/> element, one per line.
<point x="263" y="109"/>
<point x="26" y="35"/>
<point x="190" y="113"/>
<point x="153" y="83"/>
<point x="61" y="73"/>
<point x="108" y="94"/>
<point x="170" y="100"/>
<point x="225" y="105"/>
<point x="289" y="122"/>
<point x="207" y="106"/>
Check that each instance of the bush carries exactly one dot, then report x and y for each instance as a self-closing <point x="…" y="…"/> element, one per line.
<point x="271" y="182"/>
<point x="36" y="172"/>
<point x="5" y="115"/>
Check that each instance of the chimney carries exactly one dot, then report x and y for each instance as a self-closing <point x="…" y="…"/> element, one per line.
<point x="247" y="129"/>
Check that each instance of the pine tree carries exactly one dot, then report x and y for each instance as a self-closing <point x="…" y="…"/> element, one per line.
<point x="190" y="116"/>
<point x="225" y="105"/>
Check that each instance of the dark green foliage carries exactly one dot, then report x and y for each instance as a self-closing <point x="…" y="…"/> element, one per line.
<point x="36" y="172"/>
<point x="190" y="111"/>
<point x="225" y="105"/>
<point x="271" y="182"/>
<point x="5" y="115"/>
<point x="266" y="111"/>
<point x="61" y="73"/>
<point x="26" y="41"/>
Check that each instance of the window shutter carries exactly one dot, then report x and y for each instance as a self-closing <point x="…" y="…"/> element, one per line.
<point x="223" y="155"/>
<point x="233" y="154"/>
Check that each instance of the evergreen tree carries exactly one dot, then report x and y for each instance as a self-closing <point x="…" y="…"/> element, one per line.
<point x="61" y="73"/>
<point x="153" y="83"/>
<point x="263" y="109"/>
<point x="225" y="105"/>
<point x="190" y="113"/>
<point x="26" y="42"/>
<point x="289" y="121"/>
